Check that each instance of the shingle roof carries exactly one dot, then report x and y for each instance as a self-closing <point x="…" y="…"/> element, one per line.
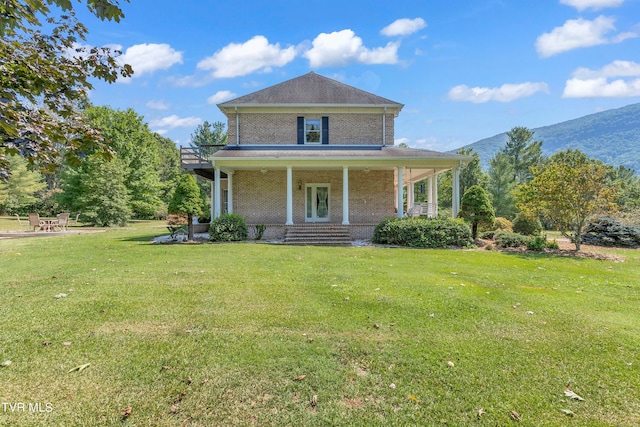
<point x="310" y="88"/>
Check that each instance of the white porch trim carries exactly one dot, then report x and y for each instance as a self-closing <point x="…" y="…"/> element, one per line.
<point x="400" y="191"/>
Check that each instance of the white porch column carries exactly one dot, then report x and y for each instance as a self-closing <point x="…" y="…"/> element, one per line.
<point x="345" y="195"/>
<point x="410" y="194"/>
<point x="216" y="192"/>
<point x="455" y="192"/>
<point x="289" y="196"/>
<point x="430" y="195"/>
<point x="213" y="192"/>
<point x="400" y="192"/>
<point x="230" y="192"/>
<point x="434" y="195"/>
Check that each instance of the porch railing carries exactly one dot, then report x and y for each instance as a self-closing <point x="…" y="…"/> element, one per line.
<point x="198" y="157"/>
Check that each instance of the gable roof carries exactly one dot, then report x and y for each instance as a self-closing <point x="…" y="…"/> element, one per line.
<point x="310" y="89"/>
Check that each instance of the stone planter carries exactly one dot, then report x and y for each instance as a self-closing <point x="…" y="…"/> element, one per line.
<point x="201" y="228"/>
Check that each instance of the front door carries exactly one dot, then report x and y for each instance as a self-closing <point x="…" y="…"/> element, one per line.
<point x="317" y="203"/>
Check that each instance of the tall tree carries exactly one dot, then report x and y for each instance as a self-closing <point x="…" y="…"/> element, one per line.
<point x="43" y="76"/>
<point x="209" y="134"/>
<point x="98" y="191"/>
<point x="18" y="192"/>
<point x="187" y="200"/>
<point x="567" y="192"/>
<point x="134" y="144"/>
<point x="168" y="167"/>
<point x="501" y="185"/>
<point x="523" y="152"/>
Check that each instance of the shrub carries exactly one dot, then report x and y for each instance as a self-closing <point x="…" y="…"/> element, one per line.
<point x="537" y="243"/>
<point x="228" y="228"/>
<point x="502" y="224"/>
<point x="504" y="239"/>
<point x="487" y="235"/>
<point x="553" y="245"/>
<point x="527" y="225"/>
<point x="423" y="233"/>
<point x="607" y="231"/>
<point x="260" y="228"/>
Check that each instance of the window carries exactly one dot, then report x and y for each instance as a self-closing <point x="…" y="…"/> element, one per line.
<point x="312" y="131"/>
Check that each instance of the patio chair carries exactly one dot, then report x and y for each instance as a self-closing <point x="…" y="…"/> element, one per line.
<point x="34" y="221"/>
<point x="63" y="220"/>
<point x="22" y="224"/>
<point x="415" y="211"/>
<point x="74" y="221"/>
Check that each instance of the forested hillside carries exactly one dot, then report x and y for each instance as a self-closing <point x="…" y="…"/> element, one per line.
<point x="612" y="136"/>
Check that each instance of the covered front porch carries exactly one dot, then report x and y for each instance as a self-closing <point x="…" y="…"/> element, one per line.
<point x="352" y="186"/>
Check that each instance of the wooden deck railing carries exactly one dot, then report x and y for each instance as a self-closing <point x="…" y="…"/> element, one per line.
<point x="198" y="157"/>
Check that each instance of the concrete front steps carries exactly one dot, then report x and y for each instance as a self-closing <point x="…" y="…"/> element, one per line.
<point x="315" y="234"/>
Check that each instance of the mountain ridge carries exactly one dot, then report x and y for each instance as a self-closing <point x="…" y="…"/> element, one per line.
<point x="612" y="136"/>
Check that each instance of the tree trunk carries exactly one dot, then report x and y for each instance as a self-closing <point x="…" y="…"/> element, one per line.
<point x="189" y="227"/>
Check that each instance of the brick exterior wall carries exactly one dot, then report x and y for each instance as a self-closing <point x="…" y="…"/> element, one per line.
<point x="281" y="128"/>
<point x="262" y="198"/>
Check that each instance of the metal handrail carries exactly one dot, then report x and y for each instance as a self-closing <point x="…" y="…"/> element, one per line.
<point x="198" y="156"/>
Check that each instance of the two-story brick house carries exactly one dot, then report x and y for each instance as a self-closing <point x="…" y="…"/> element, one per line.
<point x="312" y="150"/>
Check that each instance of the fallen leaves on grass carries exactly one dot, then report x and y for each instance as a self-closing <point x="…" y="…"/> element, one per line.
<point x="126" y="412"/>
<point x="413" y="398"/>
<point x="6" y="363"/>
<point x="60" y="295"/>
<point x="300" y="377"/>
<point x="567" y="412"/>
<point x="481" y="412"/>
<point x="450" y="364"/>
<point x="570" y="394"/>
<point x="515" y="416"/>
<point x="80" y="368"/>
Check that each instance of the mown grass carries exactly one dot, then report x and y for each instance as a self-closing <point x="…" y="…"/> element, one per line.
<point x="221" y="334"/>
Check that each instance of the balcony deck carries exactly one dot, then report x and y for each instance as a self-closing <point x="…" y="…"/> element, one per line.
<point x="196" y="160"/>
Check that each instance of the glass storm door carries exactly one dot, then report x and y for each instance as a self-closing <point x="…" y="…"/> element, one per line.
<point x="317" y="203"/>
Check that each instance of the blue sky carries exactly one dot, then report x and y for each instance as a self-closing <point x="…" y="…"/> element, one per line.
<point x="464" y="69"/>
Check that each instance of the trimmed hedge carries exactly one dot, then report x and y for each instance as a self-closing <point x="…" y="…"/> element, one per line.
<point x="228" y="228"/>
<point x="423" y="233"/>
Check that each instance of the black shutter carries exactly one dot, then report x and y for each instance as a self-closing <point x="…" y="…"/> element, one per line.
<point x="325" y="130"/>
<point x="300" y="130"/>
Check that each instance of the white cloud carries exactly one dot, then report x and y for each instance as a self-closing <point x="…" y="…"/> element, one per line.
<point x="255" y="54"/>
<point x="592" y="4"/>
<point x="158" y="105"/>
<point x="403" y="27"/>
<point x="616" y="80"/>
<point x="220" y="96"/>
<point x="577" y="33"/>
<point x="147" y="58"/>
<point x="342" y="47"/>
<point x="174" y="121"/>
<point x="504" y="93"/>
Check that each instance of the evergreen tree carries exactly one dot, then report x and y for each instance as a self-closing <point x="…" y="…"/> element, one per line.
<point x="187" y="200"/>
<point x="501" y="186"/>
<point x="476" y="208"/>
<point x="523" y="153"/>
<point x="18" y="193"/>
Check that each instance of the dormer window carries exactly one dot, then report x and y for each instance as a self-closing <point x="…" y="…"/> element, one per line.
<point x="313" y="130"/>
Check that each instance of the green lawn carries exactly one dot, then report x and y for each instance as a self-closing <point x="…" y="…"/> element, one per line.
<point x="256" y="334"/>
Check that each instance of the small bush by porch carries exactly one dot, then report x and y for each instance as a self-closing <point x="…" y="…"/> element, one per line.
<point x="423" y="233"/>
